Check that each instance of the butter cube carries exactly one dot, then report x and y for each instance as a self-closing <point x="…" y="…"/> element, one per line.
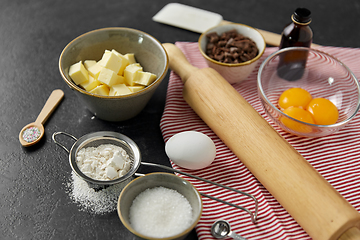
<point x="78" y="73"/>
<point x="95" y="69"/>
<point x="130" y="57"/>
<point x="101" y="90"/>
<point x="111" y="61"/>
<point x="124" y="61"/>
<point x="130" y="73"/>
<point x="121" y="79"/>
<point x="103" y="57"/>
<point x="119" y="89"/>
<point x="89" y="63"/>
<point x="144" y="78"/>
<point x="91" y="84"/>
<point x="109" y="77"/>
<point x="136" y="88"/>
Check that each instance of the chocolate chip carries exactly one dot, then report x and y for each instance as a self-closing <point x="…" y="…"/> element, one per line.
<point x="230" y="47"/>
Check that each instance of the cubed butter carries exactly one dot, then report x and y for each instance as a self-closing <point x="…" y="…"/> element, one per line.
<point x="136" y="88"/>
<point x="121" y="79"/>
<point x="109" y="77"/>
<point x="144" y="78"/>
<point x="91" y="84"/>
<point x="103" y="56"/>
<point x="78" y="73"/>
<point x="130" y="73"/>
<point x="95" y="69"/>
<point x="89" y="63"/>
<point x="111" y="61"/>
<point x="124" y="61"/>
<point x="130" y="57"/>
<point x="101" y="90"/>
<point x="119" y="89"/>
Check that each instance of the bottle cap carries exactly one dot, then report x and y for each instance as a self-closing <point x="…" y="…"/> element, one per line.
<point x="302" y="16"/>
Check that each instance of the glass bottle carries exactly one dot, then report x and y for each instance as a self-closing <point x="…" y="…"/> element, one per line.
<point x="296" y="34"/>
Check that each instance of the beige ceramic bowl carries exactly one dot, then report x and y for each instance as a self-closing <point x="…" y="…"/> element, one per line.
<point x="167" y="180"/>
<point x="90" y="46"/>
<point x="237" y="72"/>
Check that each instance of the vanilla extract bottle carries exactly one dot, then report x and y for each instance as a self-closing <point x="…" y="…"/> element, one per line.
<point x="296" y="34"/>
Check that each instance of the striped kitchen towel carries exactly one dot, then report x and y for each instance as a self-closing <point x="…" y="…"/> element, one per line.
<point x="336" y="157"/>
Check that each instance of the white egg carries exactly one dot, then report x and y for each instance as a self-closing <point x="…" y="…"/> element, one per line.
<point x="191" y="150"/>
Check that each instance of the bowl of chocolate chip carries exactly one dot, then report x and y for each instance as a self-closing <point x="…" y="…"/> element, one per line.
<point x="232" y="49"/>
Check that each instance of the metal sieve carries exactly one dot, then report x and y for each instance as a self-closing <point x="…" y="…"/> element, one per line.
<point x="94" y="140"/>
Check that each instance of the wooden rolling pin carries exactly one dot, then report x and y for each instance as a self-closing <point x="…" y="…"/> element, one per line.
<point x="319" y="209"/>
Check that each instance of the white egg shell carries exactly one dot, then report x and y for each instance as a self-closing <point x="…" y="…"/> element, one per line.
<point x="191" y="150"/>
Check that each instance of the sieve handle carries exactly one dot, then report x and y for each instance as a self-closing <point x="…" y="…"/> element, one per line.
<point x="58" y="143"/>
<point x="252" y="215"/>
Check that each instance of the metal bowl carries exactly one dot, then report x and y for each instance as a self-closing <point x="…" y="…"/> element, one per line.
<point x="94" y="140"/>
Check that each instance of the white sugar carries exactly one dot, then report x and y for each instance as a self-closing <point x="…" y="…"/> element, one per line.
<point x="160" y="212"/>
<point x="89" y="200"/>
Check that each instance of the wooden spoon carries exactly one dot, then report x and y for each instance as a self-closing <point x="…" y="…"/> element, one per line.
<point x="33" y="132"/>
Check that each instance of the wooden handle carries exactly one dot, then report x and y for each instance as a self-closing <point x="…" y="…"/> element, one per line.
<point x="298" y="187"/>
<point x="178" y="62"/>
<point x="50" y="105"/>
<point x="272" y="39"/>
<point x="351" y="234"/>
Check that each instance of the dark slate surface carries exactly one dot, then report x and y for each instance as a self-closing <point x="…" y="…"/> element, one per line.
<point x="33" y="201"/>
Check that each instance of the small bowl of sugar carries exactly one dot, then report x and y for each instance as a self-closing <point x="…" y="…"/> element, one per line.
<point x="159" y="206"/>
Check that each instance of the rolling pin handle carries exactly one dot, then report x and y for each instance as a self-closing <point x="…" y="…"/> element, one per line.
<point x="351" y="234"/>
<point x="178" y="62"/>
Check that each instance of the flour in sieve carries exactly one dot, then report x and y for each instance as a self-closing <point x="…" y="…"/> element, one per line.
<point x="105" y="162"/>
<point x="88" y="200"/>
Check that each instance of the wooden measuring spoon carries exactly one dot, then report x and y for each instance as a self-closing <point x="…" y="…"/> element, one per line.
<point x="33" y="132"/>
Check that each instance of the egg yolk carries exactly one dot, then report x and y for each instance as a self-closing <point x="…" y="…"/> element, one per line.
<point x="323" y="110"/>
<point x="294" y="97"/>
<point x="299" y="114"/>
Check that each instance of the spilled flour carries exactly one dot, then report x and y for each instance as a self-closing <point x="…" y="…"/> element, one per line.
<point x="88" y="200"/>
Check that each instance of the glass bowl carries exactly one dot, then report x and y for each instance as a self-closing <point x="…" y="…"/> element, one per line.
<point x="322" y="75"/>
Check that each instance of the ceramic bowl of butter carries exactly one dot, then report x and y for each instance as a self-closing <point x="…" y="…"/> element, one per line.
<point x="114" y="71"/>
<point x="160" y="206"/>
<point x="232" y="49"/>
<point x="307" y="92"/>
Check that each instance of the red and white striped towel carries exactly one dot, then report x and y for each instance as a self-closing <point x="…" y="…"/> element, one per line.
<point x="336" y="157"/>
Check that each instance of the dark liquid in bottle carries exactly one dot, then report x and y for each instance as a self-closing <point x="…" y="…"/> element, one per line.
<point x="297" y="34"/>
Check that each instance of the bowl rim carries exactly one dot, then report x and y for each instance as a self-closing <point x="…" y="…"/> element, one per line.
<point x="73" y="86"/>
<point x="184" y="233"/>
<point x="258" y="56"/>
<point x="263" y="95"/>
